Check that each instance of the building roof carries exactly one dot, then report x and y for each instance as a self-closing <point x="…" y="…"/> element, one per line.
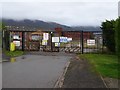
<point x="22" y="28"/>
<point x="28" y="29"/>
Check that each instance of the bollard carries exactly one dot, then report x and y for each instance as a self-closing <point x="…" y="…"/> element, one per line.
<point x="12" y="46"/>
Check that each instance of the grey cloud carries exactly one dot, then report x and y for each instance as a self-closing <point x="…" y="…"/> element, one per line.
<point x="76" y="13"/>
<point x="59" y="0"/>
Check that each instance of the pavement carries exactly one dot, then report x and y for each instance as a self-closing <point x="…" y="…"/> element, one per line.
<point x="80" y="75"/>
<point x="0" y="55"/>
<point x="0" y="75"/>
<point x="34" y="70"/>
<point x="5" y="58"/>
<point x="0" y="68"/>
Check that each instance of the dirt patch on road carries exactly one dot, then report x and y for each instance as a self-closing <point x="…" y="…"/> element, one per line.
<point x="79" y="75"/>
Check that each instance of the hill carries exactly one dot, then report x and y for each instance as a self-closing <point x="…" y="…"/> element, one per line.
<point x="47" y="25"/>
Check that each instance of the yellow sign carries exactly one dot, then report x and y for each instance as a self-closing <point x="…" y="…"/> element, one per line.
<point x="44" y="42"/>
<point x="57" y="44"/>
<point x="12" y="46"/>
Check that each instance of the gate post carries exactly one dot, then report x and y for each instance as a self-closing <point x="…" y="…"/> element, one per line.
<point x="81" y="41"/>
<point x="51" y="41"/>
<point x="23" y="41"/>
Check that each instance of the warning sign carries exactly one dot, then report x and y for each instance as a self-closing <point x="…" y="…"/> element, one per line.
<point x="90" y="42"/>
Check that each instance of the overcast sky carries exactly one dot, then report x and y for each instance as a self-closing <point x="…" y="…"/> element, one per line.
<point x="67" y="12"/>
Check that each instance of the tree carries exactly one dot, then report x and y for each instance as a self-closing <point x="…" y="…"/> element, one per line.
<point x="0" y="34"/>
<point x="108" y="28"/>
<point x="0" y="26"/>
<point x="4" y="36"/>
<point x="117" y="35"/>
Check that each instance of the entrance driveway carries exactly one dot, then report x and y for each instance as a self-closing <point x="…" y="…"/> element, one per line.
<point x="34" y="70"/>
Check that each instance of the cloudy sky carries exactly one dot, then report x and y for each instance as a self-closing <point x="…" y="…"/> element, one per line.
<point x="67" y="12"/>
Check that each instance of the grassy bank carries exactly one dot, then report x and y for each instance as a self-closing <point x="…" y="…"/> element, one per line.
<point x="106" y="65"/>
<point x="14" y="53"/>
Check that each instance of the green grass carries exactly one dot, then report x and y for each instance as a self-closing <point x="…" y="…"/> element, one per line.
<point x="106" y="65"/>
<point x="14" y="53"/>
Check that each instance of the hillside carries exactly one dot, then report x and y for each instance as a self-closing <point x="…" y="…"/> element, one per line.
<point x="47" y="25"/>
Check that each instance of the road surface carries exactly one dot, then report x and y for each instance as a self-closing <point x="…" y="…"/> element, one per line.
<point x="34" y="71"/>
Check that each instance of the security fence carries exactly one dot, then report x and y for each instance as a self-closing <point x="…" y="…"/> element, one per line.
<point x="75" y="42"/>
<point x="55" y="40"/>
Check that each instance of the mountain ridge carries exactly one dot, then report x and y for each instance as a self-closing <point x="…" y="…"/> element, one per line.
<point x="47" y="25"/>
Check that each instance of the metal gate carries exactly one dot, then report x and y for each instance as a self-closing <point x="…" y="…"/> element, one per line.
<point x="92" y="43"/>
<point x="72" y="42"/>
<point x="62" y="41"/>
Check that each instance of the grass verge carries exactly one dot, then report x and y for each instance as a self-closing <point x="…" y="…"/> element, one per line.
<point x="14" y="53"/>
<point x="106" y="65"/>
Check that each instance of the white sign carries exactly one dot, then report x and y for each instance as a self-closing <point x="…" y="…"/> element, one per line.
<point x="44" y="42"/>
<point x="63" y="39"/>
<point x="35" y="37"/>
<point x="90" y="42"/>
<point x="17" y="43"/>
<point x="45" y="36"/>
<point x="16" y="37"/>
<point x="55" y="39"/>
<point x="69" y="39"/>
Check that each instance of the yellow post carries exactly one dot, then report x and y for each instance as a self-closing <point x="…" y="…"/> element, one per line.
<point x="12" y="46"/>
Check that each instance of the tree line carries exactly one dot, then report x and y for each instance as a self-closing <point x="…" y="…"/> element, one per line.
<point x="111" y="35"/>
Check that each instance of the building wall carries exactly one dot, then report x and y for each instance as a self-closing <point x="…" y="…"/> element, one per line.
<point x="77" y="35"/>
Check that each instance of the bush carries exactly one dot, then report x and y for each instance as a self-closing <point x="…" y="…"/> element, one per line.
<point x="118" y="37"/>
<point x="13" y="53"/>
<point x="108" y="28"/>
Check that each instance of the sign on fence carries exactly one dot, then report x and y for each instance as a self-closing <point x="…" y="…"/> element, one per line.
<point x="63" y="39"/>
<point x="17" y="43"/>
<point x="16" y="37"/>
<point x="44" y="42"/>
<point x="55" y="39"/>
<point x="45" y="36"/>
<point x="57" y="44"/>
<point x="69" y="39"/>
<point x="90" y="42"/>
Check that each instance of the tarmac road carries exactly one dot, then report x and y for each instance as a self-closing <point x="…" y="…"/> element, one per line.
<point x="34" y="71"/>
